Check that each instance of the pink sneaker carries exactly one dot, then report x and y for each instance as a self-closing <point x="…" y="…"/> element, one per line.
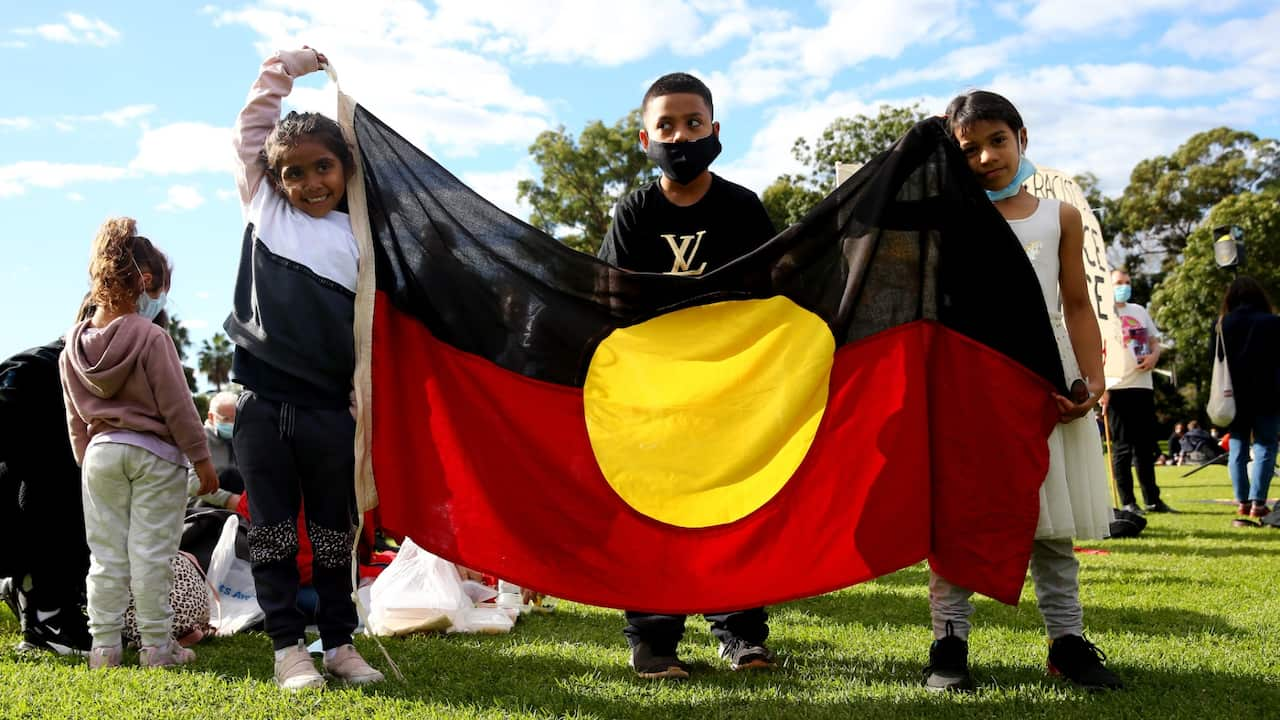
<point x="171" y="653"/>
<point x="347" y="665"/>
<point x="295" y="671"/>
<point x="105" y="656"/>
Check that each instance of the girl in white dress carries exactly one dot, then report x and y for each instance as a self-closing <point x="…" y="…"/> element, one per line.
<point x="1073" y="498"/>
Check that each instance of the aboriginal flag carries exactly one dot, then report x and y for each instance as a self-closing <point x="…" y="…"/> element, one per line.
<point x="858" y="394"/>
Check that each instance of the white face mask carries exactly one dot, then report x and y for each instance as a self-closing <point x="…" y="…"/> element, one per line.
<point x="149" y="307"/>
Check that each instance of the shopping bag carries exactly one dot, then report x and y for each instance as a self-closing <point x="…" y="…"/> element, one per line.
<point x="420" y="592"/>
<point x="1222" y="402"/>
<point x="231" y="581"/>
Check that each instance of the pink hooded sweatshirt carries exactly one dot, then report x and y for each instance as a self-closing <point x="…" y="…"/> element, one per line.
<point x="127" y="376"/>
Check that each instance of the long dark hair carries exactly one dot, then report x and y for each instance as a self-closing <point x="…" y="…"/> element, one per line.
<point x="1246" y="292"/>
<point x="965" y="110"/>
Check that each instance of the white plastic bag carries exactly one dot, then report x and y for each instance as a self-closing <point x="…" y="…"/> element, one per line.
<point x="420" y="591"/>
<point x="1222" y="402"/>
<point x="232" y="580"/>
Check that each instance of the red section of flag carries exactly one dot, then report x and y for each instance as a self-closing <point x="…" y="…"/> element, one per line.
<point x="494" y="470"/>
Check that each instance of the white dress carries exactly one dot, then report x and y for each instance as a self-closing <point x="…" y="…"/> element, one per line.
<point x="1074" y="498"/>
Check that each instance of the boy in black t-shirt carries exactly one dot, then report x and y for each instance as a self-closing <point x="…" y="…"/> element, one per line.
<point x="688" y="222"/>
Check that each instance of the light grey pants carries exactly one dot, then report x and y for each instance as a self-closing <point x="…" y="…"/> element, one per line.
<point x="133" y="506"/>
<point x="1055" y="574"/>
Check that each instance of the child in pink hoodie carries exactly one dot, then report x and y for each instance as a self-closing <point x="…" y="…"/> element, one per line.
<point x="134" y="429"/>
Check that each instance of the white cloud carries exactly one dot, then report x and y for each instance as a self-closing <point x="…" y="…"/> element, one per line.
<point x="225" y="194"/>
<point x="567" y="31"/>
<point x="124" y="115"/>
<point x="1114" y="16"/>
<point x="180" y="198"/>
<point x="1126" y="81"/>
<point x="16" y="123"/>
<point x="17" y="177"/>
<point x="184" y="148"/>
<point x="807" y="58"/>
<point x="396" y="60"/>
<point x="75" y="197"/>
<point x="1251" y="41"/>
<point x="770" y="153"/>
<point x="77" y="30"/>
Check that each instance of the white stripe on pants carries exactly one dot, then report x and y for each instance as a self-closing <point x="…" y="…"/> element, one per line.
<point x="1055" y="575"/>
<point x="133" y="507"/>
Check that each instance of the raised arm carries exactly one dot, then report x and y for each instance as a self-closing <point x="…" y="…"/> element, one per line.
<point x="262" y="110"/>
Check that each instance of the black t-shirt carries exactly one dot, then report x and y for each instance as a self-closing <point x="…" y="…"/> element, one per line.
<point x="650" y="234"/>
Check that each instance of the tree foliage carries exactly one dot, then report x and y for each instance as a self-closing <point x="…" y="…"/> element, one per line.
<point x="1186" y="304"/>
<point x="846" y="140"/>
<point x="583" y="178"/>
<point x="215" y="359"/>
<point x="182" y="342"/>
<point x="1168" y="196"/>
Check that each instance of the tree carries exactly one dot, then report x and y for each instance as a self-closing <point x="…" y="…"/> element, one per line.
<point x="1167" y="196"/>
<point x="215" y="359"/>
<point x="1187" y="303"/>
<point x="846" y="140"/>
<point x="181" y="338"/>
<point x="583" y="178"/>
<point x="182" y="341"/>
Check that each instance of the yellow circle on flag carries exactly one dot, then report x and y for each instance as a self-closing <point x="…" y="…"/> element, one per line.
<point x="699" y="416"/>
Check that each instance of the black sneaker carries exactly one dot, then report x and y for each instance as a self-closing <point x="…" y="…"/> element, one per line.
<point x="1080" y="661"/>
<point x="948" y="668"/>
<point x="65" y="633"/>
<point x="653" y="666"/>
<point x="1159" y="506"/>
<point x="744" y="655"/>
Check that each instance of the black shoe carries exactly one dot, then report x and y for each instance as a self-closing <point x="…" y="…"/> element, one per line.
<point x="65" y="633"/>
<point x="1080" y="661"/>
<point x="653" y="666"/>
<point x="1159" y="507"/>
<point x="744" y="655"/>
<point x="1133" y="508"/>
<point x="948" y="668"/>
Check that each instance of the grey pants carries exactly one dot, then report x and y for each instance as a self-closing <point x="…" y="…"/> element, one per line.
<point x="1055" y="574"/>
<point x="133" y="506"/>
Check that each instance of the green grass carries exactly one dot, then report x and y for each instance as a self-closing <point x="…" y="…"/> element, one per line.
<point x="1189" y="615"/>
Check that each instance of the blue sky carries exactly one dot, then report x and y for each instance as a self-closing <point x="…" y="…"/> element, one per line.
<point x="125" y="108"/>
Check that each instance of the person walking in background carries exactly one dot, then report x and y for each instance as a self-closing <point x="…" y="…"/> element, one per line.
<point x="1130" y="404"/>
<point x="1251" y="340"/>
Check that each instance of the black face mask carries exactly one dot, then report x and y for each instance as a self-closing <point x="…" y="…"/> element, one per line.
<point x="683" y="161"/>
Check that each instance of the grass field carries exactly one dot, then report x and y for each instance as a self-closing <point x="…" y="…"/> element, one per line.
<point x="1189" y="615"/>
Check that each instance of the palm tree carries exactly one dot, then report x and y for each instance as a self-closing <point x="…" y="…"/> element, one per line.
<point x="215" y="359"/>
<point x="181" y="338"/>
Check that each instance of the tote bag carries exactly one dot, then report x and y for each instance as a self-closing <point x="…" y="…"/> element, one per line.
<point x="1222" y="401"/>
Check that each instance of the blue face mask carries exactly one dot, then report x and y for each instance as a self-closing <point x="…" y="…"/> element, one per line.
<point x="224" y="430"/>
<point x="1123" y="293"/>
<point x="1025" y="170"/>
<point x="149" y="307"/>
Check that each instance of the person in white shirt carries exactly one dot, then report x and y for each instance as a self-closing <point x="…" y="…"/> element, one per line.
<point x="1130" y="404"/>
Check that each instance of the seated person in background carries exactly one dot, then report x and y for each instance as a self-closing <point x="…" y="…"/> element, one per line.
<point x="1175" y="445"/>
<point x="217" y="430"/>
<point x="1198" y="446"/>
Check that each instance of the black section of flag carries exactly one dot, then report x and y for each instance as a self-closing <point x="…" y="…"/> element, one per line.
<point x="910" y="236"/>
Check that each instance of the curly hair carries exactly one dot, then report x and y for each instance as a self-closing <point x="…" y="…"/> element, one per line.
<point x="292" y="129"/>
<point x="118" y="259"/>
